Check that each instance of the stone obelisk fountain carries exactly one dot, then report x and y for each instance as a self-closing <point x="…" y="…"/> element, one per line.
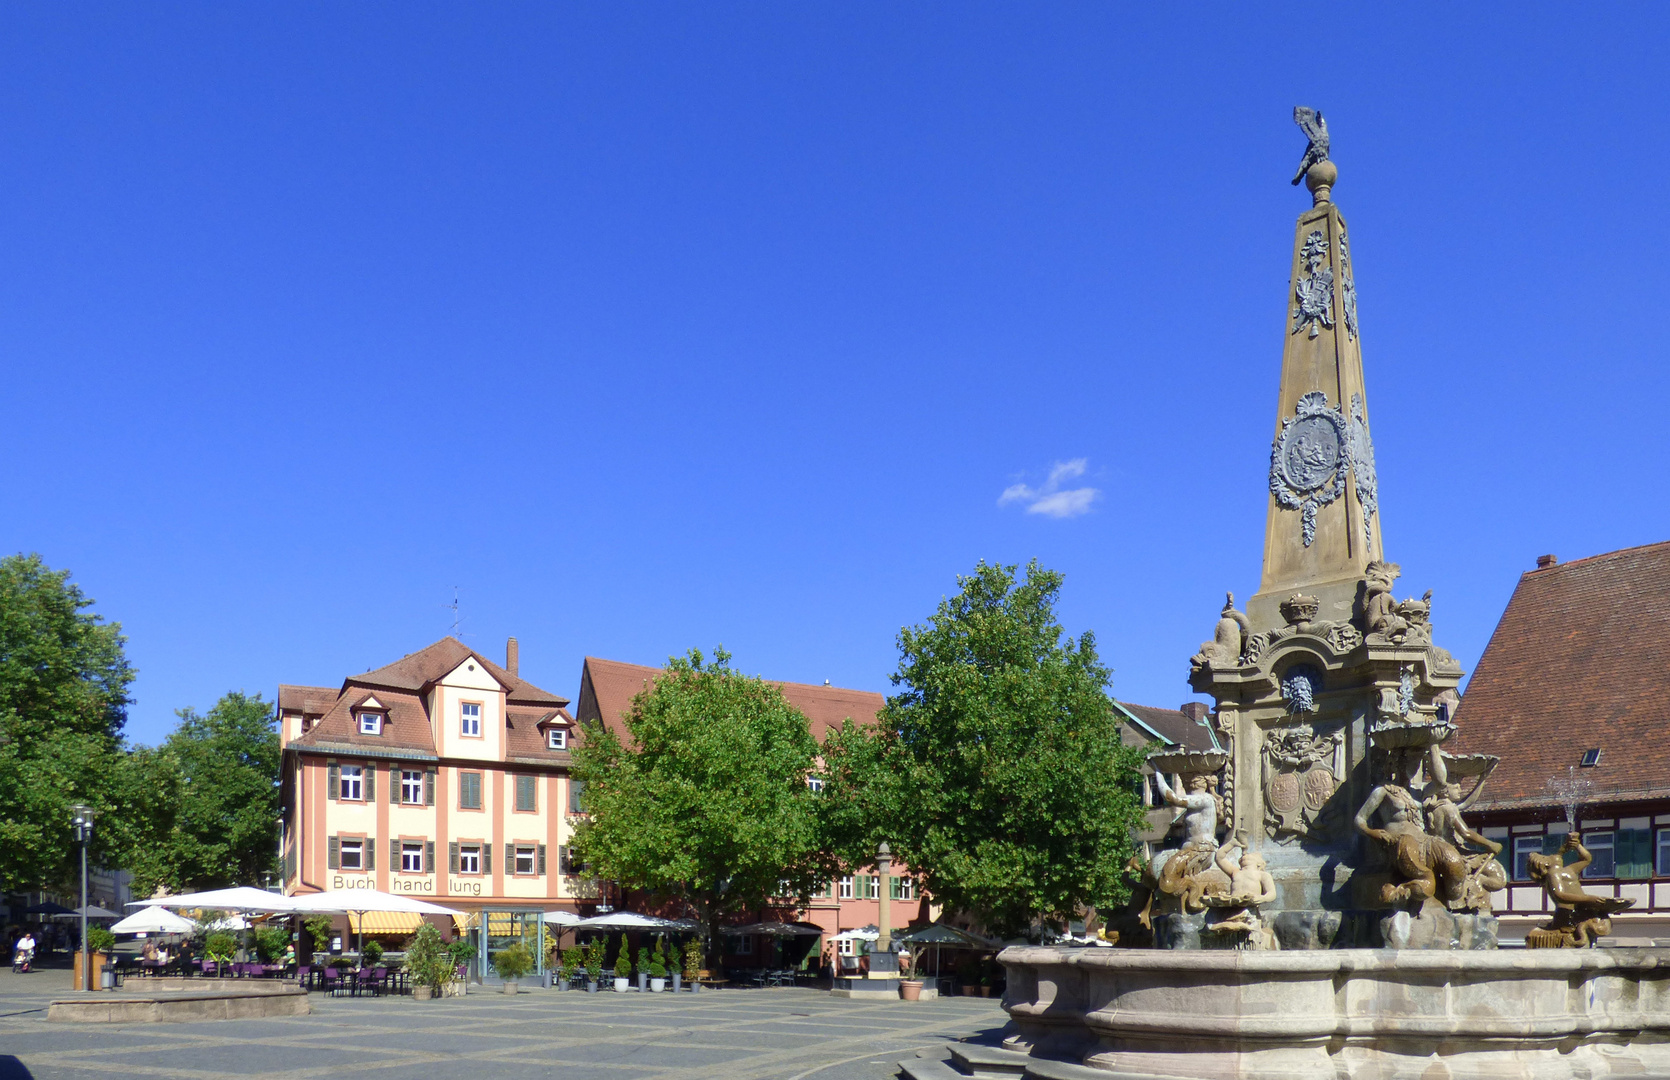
<point x="1322" y="908"/>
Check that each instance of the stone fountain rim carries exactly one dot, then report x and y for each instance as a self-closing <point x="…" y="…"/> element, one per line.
<point x="1504" y="961"/>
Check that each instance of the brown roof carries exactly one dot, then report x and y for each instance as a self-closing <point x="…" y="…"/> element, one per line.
<point x="419" y="670"/>
<point x="607" y="688"/>
<point x="1173" y="725"/>
<point x="307" y="700"/>
<point x="402" y="689"/>
<point x="1581" y="659"/>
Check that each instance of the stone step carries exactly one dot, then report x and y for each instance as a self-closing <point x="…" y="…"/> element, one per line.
<point x="988" y="1061"/>
<point x="1043" y="1069"/>
<point x="929" y="1069"/>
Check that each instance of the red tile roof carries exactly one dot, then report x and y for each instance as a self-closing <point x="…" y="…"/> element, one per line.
<point x="607" y="688"/>
<point x="1581" y="659"/>
<point x="402" y="689"/>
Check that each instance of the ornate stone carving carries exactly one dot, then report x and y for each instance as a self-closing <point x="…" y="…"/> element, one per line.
<point x="1348" y="286"/>
<point x="1362" y="456"/>
<point x="1342" y="636"/>
<point x="1316" y="130"/>
<point x="1314" y="290"/>
<point x="1250" y="886"/>
<point x="1308" y="461"/>
<point x="1229" y="639"/>
<point x="1299" y="779"/>
<point x="1189" y="873"/>
<point x="1406" y="690"/>
<point x="1299" y="688"/>
<point x="1580" y="918"/>
<point x="1300" y="610"/>
<point x="1423" y="840"/>
<point x="1380" y="615"/>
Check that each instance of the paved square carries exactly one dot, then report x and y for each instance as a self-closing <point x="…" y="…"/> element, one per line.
<point x="783" y="1034"/>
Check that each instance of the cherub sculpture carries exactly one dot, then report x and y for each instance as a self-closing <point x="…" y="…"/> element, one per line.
<point x="1250" y="885"/>
<point x="1580" y="918"/>
<point x="1429" y="866"/>
<point x="1443" y="806"/>
<point x="1316" y="130"/>
<point x="1229" y="639"/>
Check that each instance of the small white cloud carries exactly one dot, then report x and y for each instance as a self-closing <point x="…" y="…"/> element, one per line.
<point x="1049" y="499"/>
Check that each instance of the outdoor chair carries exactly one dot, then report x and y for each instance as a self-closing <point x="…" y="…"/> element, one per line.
<point x="303" y="974"/>
<point x="330" y="980"/>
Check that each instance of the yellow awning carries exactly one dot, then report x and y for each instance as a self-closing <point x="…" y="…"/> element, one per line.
<point x="384" y="922"/>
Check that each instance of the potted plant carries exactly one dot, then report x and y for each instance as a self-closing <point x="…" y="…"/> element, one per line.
<point x="429" y="962"/>
<point x="643" y="968"/>
<point x="623" y="966"/>
<point x="693" y="964"/>
<point x="319" y="929"/>
<point x="219" y="947"/>
<point x="657" y="971"/>
<point x="512" y="964"/>
<point x="573" y="961"/>
<point x="371" y="955"/>
<point x="594" y="963"/>
<point x="968" y="974"/>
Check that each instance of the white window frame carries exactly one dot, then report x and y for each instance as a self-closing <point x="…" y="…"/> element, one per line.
<point x="411" y="856"/>
<point x="815" y="784"/>
<point x="345" y="847"/>
<point x="469" y="723"/>
<point x="411" y="787"/>
<point x="845" y="892"/>
<point x="530" y="853"/>
<point x="907" y="886"/>
<point x="556" y="738"/>
<point x="1598" y="841"/>
<point x="351" y="775"/>
<point x="846" y="947"/>
<point x="469" y="858"/>
<point x="371" y="723"/>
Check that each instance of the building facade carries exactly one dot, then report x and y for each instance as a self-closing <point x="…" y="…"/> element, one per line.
<point x="442" y="775"/>
<point x="1572" y="693"/>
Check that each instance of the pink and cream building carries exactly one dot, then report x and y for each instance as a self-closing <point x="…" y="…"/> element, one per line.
<point x="442" y="775"/>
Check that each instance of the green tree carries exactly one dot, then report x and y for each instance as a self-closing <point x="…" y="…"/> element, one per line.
<point x="997" y="771"/>
<point x="707" y="799"/>
<point x="63" y="702"/>
<point x="224" y="830"/>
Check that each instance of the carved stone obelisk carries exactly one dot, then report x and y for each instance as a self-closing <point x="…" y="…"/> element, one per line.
<point x="1332" y="699"/>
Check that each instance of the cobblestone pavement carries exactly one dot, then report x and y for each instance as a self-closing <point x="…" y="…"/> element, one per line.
<point x="791" y="1034"/>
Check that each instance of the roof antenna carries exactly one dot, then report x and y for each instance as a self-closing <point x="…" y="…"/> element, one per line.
<point x="457" y="619"/>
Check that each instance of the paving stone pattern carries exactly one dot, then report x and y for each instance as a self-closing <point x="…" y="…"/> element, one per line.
<point x="784" y="1034"/>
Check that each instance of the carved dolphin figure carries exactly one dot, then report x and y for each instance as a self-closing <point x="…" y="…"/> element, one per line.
<point x="1316" y="130"/>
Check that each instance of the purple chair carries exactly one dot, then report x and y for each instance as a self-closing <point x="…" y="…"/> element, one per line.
<point x="303" y="974"/>
<point x="330" y="980"/>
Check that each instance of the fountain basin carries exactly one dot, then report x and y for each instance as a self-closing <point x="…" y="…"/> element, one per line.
<point x="1385" y="1014"/>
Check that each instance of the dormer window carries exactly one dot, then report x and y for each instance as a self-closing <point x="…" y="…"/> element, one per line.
<point x="1591" y="756"/>
<point x="469" y="719"/>
<point x="556" y="738"/>
<point x="371" y="723"/>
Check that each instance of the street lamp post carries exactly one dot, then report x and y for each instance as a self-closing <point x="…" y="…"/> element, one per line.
<point x="83" y="821"/>
<point x="884" y="863"/>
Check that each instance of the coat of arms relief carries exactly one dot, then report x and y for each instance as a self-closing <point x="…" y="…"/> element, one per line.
<point x="1302" y="768"/>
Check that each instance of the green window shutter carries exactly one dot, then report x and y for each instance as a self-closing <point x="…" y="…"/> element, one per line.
<point x="429" y="788"/>
<point x="526" y="797"/>
<point x="486" y="858"/>
<point x="370" y="849"/>
<point x="452" y="856"/>
<point x="333" y="853"/>
<point x="333" y="781"/>
<point x="370" y="783"/>
<point x="394" y="785"/>
<point x="394" y="853"/>
<point x="510" y="858"/>
<point x="1635" y="853"/>
<point x="540" y="868"/>
<point x="429" y="856"/>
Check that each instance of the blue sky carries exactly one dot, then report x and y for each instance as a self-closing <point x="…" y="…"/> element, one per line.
<point x="659" y="326"/>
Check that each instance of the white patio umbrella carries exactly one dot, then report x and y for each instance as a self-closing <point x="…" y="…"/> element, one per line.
<point x="560" y="921"/>
<point x="238" y="898"/>
<point x="623" y="920"/>
<point x="360" y="901"/>
<point x="154" y="920"/>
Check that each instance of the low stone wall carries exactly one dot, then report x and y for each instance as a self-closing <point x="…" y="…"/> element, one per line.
<point x="1380" y="1013"/>
<point x="244" y="1003"/>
